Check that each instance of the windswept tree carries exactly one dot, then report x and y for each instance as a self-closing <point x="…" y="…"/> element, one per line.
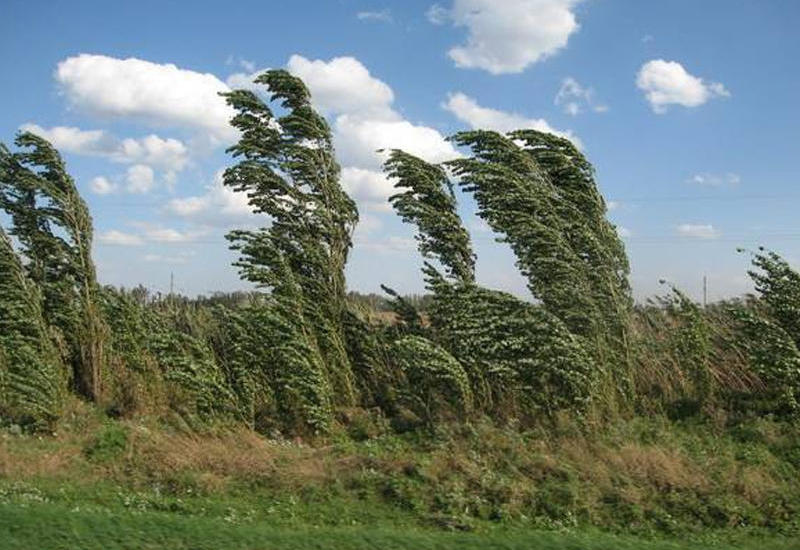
<point x="288" y="170"/>
<point x="426" y="199"/>
<point x="52" y="224"/>
<point x="538" y="192"/>
<point x="32" y="379"/>
<point x="520" y="359"/>
<point x="770" y="331"/>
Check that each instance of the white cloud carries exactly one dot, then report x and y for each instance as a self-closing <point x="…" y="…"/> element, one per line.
<point x="119" y="238"/>
<point x="668" y="83"/>
<point x="623" y="232"/>
<point x="246" y="81"/>
<point x="389" y="245"/>
<point x="220" y="206"/>
<point x="344" y="85"/>
<point x="357" y="141"/>
<point x="101" y="186"/>
<point x="437" y="15"/>
<point x="574" y="98"/>
<point x="148" y="232"/>
<point x="468" y="110"/>
<point x="169" y="235"/>
<point x="364" y="119"/>
<point x="698" y="231"/>
<point x="508" y="36"/>
<point x="369" y="188"/>
<point x="180" y="258"/>
<point x="383" y="16"/>
<point x="74" y="140"/>
<point x="140" y="179"/>
<point x="167" y="154"/>
<point x="715" y="180"/>
<point x="161" y="94"/>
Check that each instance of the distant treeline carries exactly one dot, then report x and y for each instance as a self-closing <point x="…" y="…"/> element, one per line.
<point x="299" y="353"/>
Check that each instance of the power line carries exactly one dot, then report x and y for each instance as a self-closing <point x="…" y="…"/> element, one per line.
<point x="633" y="199"/>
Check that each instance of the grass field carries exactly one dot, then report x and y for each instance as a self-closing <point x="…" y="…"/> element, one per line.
<point x="53" y="527"/>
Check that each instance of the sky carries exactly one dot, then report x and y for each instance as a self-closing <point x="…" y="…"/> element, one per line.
<point x="688" y="111"/>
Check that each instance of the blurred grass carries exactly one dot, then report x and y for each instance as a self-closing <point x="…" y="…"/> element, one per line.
<point x="52" y="527"/>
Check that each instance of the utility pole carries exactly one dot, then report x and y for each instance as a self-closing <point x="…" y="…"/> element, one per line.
<point x="705" y="291"/>
<point x="171" y="282"/>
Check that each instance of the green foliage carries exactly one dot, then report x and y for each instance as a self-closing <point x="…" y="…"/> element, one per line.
<point x="521" y="359"/>
<point x="779" y="287"/>
<point x="409" y="319"/>
<point x="289" y="172"/>
<point x="774" y="357"/>
<point x="690" y="342"/>
<point x="32" y="379"/>
<point x="538" y="192"/>
<point x="299" y="353"/>
<point x="52" y="223"/>
<point x="437" y="386"/>
<point x="108" y="444"/>
<point x="427" y="200"/>
<point x="369" y="354"/>
<point x="158" y="365"/>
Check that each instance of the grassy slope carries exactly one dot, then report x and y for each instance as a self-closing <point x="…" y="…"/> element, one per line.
<point x="111" y="483"/>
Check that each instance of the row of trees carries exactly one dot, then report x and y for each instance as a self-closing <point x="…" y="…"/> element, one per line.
<point x="297" y="354"/>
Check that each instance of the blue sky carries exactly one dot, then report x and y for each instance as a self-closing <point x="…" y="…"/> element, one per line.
<point x="687" y="109"/>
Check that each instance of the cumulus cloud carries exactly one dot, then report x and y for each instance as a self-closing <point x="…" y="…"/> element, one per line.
<point x="370" y="188"/>
<point x="101" y="186"/>
<point x="469" y="111"/>
<point x="508" y="36"/>
<point x="166" y="154"/>
<point x="219" y="206"/>
<point x="358" y="139"/>
<point x="161" y="94"/>
<point x="698" y="230"/>
<point x="666" y="83"/>
<point x="575" y="99"/>
<point x="364" y="121"/>
<point x="344" y="85"/>
<point x="139" y="179"/>
<point x="246" y="81"/>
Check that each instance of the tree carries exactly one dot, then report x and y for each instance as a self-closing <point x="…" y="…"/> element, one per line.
<point x="32" y="379"/>
<point x="52" y="224"/>
<point x="520" y="359"/>
<point x="288" y="170"/>
<point x="538" y="192"/>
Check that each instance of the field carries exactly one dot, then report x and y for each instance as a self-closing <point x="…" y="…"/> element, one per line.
<point x="58" y="528"/>
<point x="101" y="483"/>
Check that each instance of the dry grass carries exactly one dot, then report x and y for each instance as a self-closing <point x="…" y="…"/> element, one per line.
<point x="590" y="471"/>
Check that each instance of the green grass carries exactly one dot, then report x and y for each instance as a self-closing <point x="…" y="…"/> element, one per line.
<point x="53" y="527"/>
<point x="642" y="483"/>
